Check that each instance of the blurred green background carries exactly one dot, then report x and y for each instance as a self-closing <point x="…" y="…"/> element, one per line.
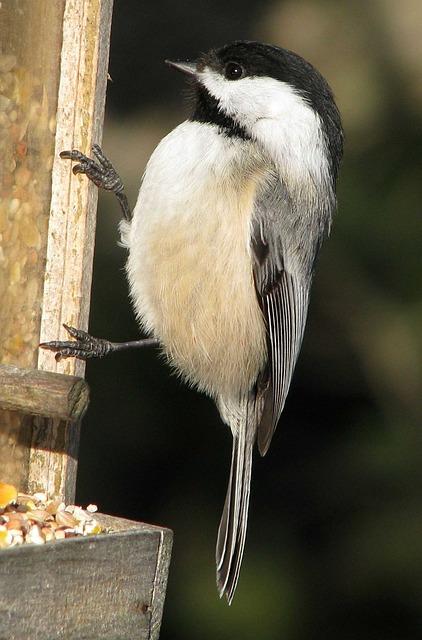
<point x="334" y="548"/>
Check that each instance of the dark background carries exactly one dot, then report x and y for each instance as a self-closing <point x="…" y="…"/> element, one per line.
<point x="334" y="547"/>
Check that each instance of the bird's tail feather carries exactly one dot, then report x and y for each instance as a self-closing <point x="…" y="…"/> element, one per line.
<point x="233" y="524"/>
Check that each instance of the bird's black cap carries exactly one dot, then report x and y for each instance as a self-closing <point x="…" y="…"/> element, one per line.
<point x="259" y="59"/>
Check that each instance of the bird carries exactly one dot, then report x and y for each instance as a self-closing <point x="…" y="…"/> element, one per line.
<point x="222" y="243"/>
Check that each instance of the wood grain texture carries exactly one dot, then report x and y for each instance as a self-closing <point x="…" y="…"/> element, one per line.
<point x="53" y="460"/>
<point x="160" y="581"/>
<point x="71" y="232"/>
<point x="43" y="393"/>
<point x="110" y="586"/>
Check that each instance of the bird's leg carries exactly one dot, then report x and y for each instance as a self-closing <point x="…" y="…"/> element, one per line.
<point x="85" y="346"/>
<point x="101" y="173"/>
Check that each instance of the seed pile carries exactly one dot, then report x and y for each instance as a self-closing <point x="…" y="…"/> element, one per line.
<point x="34" y="519"/>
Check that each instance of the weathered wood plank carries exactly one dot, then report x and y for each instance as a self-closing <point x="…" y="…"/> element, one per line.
<point x="110" y="586"/>
<point x="70" y="242"/>
<point x="43" y="393"/>
<point x="71" y="232"/>
<point x="160" y="582"/>
<point x="57" y="53"/>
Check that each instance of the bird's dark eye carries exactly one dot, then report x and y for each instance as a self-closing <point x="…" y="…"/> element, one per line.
<point x="233" y="71"/>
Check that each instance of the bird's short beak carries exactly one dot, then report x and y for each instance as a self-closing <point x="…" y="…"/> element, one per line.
<point x="189" y="68"/>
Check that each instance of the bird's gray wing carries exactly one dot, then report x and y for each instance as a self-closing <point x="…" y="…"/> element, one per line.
<point x="284" y="242"/>
<point x="283" y="252"/>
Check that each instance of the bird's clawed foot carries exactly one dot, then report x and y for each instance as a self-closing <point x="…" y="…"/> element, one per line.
<point x="83" y="346"/>
<point x="101" y="172"/>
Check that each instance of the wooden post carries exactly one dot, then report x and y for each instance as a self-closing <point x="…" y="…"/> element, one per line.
<point x="53" y="74"/>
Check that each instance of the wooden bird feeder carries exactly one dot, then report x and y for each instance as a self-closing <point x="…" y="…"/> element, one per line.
<point x="53" y="75"/>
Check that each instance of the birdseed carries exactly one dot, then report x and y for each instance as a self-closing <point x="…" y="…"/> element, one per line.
<point x="35" y="519"/>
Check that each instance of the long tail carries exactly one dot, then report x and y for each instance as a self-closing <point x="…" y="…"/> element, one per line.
<point x="234" y="520"/>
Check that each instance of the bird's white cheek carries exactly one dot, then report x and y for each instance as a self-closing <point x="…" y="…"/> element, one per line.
<point x="251" y="99"/>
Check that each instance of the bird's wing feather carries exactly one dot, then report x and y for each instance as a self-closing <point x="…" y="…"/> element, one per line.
<point x="284" y="243"/>
<point x="285" y="309"/>
<point x="282" y="283"/>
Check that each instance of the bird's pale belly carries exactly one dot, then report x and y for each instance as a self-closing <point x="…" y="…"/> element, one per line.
<point x="197" y="296"/>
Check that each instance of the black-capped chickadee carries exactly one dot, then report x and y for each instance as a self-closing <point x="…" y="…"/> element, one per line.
<point x="231" y="212"/>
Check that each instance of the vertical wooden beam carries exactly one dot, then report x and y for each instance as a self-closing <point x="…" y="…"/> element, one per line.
<point x="80" y="115"/>
<point x="71" y="232"/>
<point x="48" y="447"/>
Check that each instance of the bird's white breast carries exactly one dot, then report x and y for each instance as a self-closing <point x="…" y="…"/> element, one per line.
<point x="190" y="265"/>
